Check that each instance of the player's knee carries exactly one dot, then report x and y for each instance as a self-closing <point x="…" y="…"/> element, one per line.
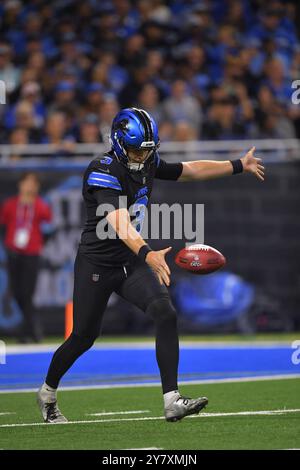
<point x="163" y="312"/>
<point x="81" y="342"/>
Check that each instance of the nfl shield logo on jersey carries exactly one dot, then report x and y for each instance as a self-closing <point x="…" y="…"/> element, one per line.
<point x="95" y="277"/>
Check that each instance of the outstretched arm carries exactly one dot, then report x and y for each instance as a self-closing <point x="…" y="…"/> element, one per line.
<point x="207" y="169"/>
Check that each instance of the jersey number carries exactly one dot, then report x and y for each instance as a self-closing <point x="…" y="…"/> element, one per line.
<point x="139" y="210"/>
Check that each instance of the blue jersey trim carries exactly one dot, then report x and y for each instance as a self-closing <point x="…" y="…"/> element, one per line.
<point x="106" y="185"/>
<point x="97" y="174"/>
<point x="104" y="180"/>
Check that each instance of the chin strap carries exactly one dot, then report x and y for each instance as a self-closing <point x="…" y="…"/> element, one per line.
<point x="135" y="166"/>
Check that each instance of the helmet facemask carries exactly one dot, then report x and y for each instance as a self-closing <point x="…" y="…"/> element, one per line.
<point x="137" y="162"/>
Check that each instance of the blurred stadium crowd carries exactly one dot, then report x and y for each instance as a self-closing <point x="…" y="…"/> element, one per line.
<point x="204" y="69"/>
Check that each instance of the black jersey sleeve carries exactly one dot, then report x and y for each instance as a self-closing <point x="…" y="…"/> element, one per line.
<point x="103" y="173"/>
<point x="101" y="178"/>
<point x="168" y="171"/>
<point x="103" y="181"/>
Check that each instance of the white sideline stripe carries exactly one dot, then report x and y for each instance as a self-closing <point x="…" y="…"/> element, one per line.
<point x="7" y="413"/>
<point x="152" y="418"/>
<point x="37" y="348"/>
<point x="250" y="413"/>
<point x="118" y="413"/>
<point x="158" y="384"/>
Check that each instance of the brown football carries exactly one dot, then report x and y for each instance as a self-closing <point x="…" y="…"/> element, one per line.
<point x="200" y="259"/>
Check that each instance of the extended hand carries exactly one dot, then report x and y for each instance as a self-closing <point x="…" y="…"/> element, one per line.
<point x="253" y="165"/>
<point x="156" y="260"/>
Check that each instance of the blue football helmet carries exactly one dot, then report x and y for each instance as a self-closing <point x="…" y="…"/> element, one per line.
<point x="134" y="128"/>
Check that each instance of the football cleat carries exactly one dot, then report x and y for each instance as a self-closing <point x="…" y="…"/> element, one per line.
<point x="184" y="406"/>
<point x="50" y="411"/>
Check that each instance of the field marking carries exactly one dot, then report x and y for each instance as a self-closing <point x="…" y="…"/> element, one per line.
<point x="250" y="413"/>
<point x="39" y="348"/>
<point x="119" y="413"/>
<point x="4" y="413"/>
<point x="152" y="418"/>
<point x="158" y="383"/>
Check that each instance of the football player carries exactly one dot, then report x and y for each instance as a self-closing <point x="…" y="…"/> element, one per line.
<point x="126" y="264"/>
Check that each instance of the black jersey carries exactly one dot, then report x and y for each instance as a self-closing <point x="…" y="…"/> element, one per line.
<point x="108" y="181"/>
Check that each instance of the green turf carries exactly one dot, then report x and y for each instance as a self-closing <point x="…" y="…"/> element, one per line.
<point x="229" y="432"/>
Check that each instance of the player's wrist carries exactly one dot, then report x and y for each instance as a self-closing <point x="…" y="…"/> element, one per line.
<point x="143" y="252"/>
<point x="237" y="166"/>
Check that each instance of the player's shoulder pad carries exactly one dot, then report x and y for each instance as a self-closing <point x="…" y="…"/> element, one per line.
<point x="104" y="172"/>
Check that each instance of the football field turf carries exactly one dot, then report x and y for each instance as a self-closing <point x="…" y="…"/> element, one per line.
<point x="240" y="415"/>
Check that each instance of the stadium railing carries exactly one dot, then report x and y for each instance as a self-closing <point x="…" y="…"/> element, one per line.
<point x="271" y="150"/>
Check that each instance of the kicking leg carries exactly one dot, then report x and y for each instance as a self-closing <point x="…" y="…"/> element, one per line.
<point x="176" y="406"/>
<point x="166" y="341"/>
<point x="143" y="289"/>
